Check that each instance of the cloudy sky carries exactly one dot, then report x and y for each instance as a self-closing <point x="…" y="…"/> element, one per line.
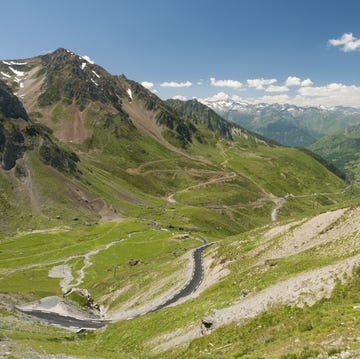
<point x="303" y="52"/>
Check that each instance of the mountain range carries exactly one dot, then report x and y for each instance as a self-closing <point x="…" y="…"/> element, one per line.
<point x="80" y="116"/>
<point x="286" y="124"/>
<point x="114" y="201"/>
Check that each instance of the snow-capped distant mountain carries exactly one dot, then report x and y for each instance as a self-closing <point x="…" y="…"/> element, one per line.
<point x="285" y="123"/>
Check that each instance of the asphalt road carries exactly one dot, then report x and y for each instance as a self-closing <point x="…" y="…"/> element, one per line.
<point x="71" y="322"/>
<point x="65" y="321"/>
<point x="194" y="282"/>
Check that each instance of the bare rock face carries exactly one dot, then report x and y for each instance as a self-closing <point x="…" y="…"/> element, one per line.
<point x="12" y="146"/>
<point x="51" y="154"/>
<point x="12" y="117"/>
<point x="10" y="105"/>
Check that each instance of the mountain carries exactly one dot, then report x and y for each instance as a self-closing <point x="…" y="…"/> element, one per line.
<point x="110" y="198"/>
<point x="23" y="141"/>
<point x="287" y="124"/>
<point x="19" y="134"/>
<point x="342" y="148"/>
<point x="64" y="89"/>
<point x="202" y="115"/>
<point x="94" y="125"/>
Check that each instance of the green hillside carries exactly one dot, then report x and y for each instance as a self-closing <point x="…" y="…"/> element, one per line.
<point x="111" y="189"/>
<point x="202" y="115"/>
<point x="342" y="149"/>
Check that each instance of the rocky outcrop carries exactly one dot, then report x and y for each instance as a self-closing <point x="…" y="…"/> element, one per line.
<point x="10" y="105"/>
<point x="51" y="154"/>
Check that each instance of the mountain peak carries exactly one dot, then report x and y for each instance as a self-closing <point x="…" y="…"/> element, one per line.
<point x="70" y="55"/>
<point x="72" y="77"/>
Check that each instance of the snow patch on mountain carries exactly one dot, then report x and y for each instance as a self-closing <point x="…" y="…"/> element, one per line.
<point x="5" y="75"/>
<point x="16" y="72"/>
<point x="98" y="76"/>
<point x="87" y="58"/>
<point x="223" y="103"/>
<point x="18" y="63"/>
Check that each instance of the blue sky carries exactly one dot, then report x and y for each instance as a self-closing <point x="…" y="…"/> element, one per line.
<point x="184" y="44"/>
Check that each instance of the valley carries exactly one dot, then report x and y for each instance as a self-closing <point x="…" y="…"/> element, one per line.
<point x="158" y="229"/>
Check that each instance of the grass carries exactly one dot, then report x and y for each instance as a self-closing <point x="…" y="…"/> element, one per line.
<point x="227" y="194"/>
<point x="270" y="333"/>
<point x="232" y="214"/>
<point x="288" y="332"/>
<point x="152" y="248"/>
<point x="33" y="254"/>
<point x="127" y="240"/>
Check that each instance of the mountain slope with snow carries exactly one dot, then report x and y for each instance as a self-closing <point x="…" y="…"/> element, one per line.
<point x="287" y="124"/>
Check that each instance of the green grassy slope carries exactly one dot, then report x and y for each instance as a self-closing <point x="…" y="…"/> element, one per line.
<point x="203" y="115"/>
<point x="328" y="327"/>
<point x="342" y="149"/>
<point x="130" y="193"/>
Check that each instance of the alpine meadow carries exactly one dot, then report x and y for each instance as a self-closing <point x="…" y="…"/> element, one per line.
<point x="211" y="218"/>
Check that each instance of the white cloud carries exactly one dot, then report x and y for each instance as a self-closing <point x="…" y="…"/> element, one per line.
<point x="179" y="97"/>
<point x="225" y="83"/>
<point x="296" y="81"/>
<point x="330" y="95"/>
<point x="273" y="88"/>
<point x="176" y="84"/>
<point x="273" y="99"/>
<point x="333" y="94"/>
<point x="293" y="81"/>
<point x="260" y="83"/>
<point x="237" y="98"/>
<point x="347" y="42"/>
<point x="306" y="83"/>
<point x="223" y="97"/>
<point x="148" y="85"/>
<point x="220" y="96"/>
<point x="327" y="90"/>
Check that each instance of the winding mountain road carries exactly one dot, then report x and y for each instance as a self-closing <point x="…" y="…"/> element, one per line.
<point x="194" y="282"/>
<point x="90" y="323"/>
<point x="226" y="177"/>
